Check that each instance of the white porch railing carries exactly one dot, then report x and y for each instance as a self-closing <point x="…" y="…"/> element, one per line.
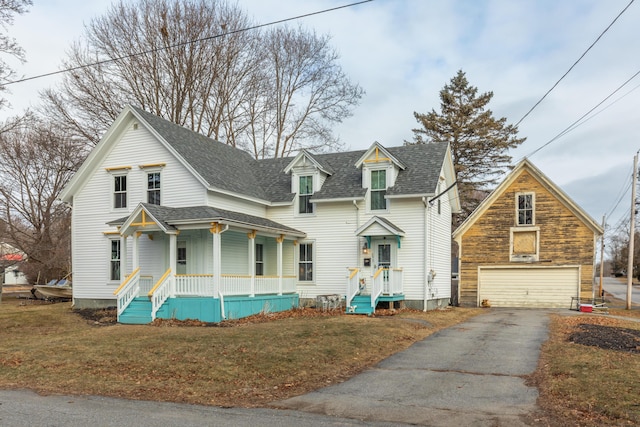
<point x="160" y="293"/>
<point x="353" y="285"/>
<point x="234" y="284"/>
<point x="128" y="290"/>
<point x="377" y="284"/>
<point x="395" y="283"/>
<point x="194" y="285"/>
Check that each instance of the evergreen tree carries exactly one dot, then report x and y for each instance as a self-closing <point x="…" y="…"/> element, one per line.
<point x="479" y="142"/>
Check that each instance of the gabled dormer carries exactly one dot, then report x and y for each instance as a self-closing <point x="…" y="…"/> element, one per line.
<point x="307" y="176"/>
<point x="380" y="170"/>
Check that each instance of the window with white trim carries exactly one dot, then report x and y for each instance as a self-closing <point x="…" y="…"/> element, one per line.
<point x="259" y="259"/>
<point x="120" y="191"/>
<point x="378" y="189"/>
<point x="305" y="191"/>
<point x="525" y="209"/>
<point x="305" y="262"/>
<point x="153" y="188"/>
<point x="114" y="260"/>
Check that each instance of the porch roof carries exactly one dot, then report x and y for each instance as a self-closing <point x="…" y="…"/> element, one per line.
<point x="384" y="225"/>
<point x="170" y="218"/>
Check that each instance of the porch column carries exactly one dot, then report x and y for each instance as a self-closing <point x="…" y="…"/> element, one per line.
<point x="216" y="229"/>
<point x="134" y="248"/>
<point x="296" y="271"/>
<point x="279" y="241"/>
<point x="252" y="261"/>
<point x="173" y="249"/>
<point x="123" y="257"/>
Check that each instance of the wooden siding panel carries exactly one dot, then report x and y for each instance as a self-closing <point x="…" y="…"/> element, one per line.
<point x="564" y="238"/>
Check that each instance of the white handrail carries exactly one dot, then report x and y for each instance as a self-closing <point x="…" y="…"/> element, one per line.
<point x="127" y="291"/>
<point x="353" y="284"/>
<point x="377" y="285"/>
<point x="160" y="293"/>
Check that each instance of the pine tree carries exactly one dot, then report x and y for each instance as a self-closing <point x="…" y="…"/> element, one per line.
<point x="479" y="142"/>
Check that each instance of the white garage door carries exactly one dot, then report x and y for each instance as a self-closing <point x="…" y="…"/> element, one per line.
<point x="528" y="287"/>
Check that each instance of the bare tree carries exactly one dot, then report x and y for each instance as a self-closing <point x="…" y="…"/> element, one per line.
<point x="37" y="164"/>
<point x="9" y="45"/>
<point x="193" y="63"/>
<point x="304" y="93"/>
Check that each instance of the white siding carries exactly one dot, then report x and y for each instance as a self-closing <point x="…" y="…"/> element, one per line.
<point x="332" y="230"/>
<point x="92" y="206"/>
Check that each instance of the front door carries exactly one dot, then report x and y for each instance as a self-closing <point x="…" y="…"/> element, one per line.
<point x="383" y="260"/>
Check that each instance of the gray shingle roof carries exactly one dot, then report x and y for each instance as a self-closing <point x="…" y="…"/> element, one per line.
<point x="230" y="169"/>
<point x="170" y="217"/>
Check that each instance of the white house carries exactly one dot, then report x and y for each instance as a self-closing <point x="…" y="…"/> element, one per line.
<point x="10" y="261"/>
<point x="169" y="223"/>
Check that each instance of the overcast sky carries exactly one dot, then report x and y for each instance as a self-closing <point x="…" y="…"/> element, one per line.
<point x="402" y="52"/>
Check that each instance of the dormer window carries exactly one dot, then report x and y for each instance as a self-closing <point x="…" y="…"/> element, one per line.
<point x="305" y="191"/>
<point x="378" y="189"/>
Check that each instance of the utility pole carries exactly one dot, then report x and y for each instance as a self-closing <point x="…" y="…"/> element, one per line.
<point x="602" y="255"/>
<point x="632" y="231"/>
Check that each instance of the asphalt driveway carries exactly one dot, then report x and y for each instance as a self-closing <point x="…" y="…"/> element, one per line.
<point x="470" y="374"/>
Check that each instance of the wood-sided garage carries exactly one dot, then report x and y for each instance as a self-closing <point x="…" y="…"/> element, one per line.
<point x="528" y="286"/>
<point x="526" y="245"/>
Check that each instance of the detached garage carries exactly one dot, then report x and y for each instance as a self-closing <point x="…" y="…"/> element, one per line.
<point x="529" y="286"/>
<point x="526" y="245"/>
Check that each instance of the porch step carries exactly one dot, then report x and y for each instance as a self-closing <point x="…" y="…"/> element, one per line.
<point x="360" y="304"/>
<point x="137" y="313"/>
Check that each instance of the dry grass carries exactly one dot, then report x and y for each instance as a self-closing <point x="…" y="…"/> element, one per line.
<point x="588" y="385"/>
<point x="50" y="349"/>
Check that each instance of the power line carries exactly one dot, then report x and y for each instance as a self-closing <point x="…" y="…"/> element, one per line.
<point x="132" y="55"/>
<point x="574" y="64"/>
<point x="623" y="193"/>
<point x="577" y="122"/>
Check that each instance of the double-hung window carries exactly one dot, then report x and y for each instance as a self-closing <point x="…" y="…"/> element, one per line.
<point x="120" y="191"/>
<point x="259" y="259"/>
<point x="525" y="209"/>
<point x="153" y="188"/>
<point x="378" y="189"/>
<point x="114" y="261"/>
<point x="305" y="191"/>
<point x="305" y="262"/>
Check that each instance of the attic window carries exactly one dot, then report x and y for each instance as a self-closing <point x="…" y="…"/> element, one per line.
<point x="135" y="126"/>
<point x="525" y="209"/>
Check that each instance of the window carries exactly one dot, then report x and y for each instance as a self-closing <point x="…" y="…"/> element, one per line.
<point x="305" y="262"/>
<point x="305" y="191"/>
<point x="114" y="262"/>
<point x="120" y="191"/>
<point x="153" y="188"/>
<point x="525" y="209"/>
<point x="259" y="259"/>
<point x="378" y="190"/>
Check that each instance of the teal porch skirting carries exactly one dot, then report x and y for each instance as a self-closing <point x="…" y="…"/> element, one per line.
<point x="207" y="309"/>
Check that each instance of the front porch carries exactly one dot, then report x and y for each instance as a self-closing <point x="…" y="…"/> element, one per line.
<point x="385" y="285"/>
<point x="192" y="296"/>
<point x="211" y="268"/>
